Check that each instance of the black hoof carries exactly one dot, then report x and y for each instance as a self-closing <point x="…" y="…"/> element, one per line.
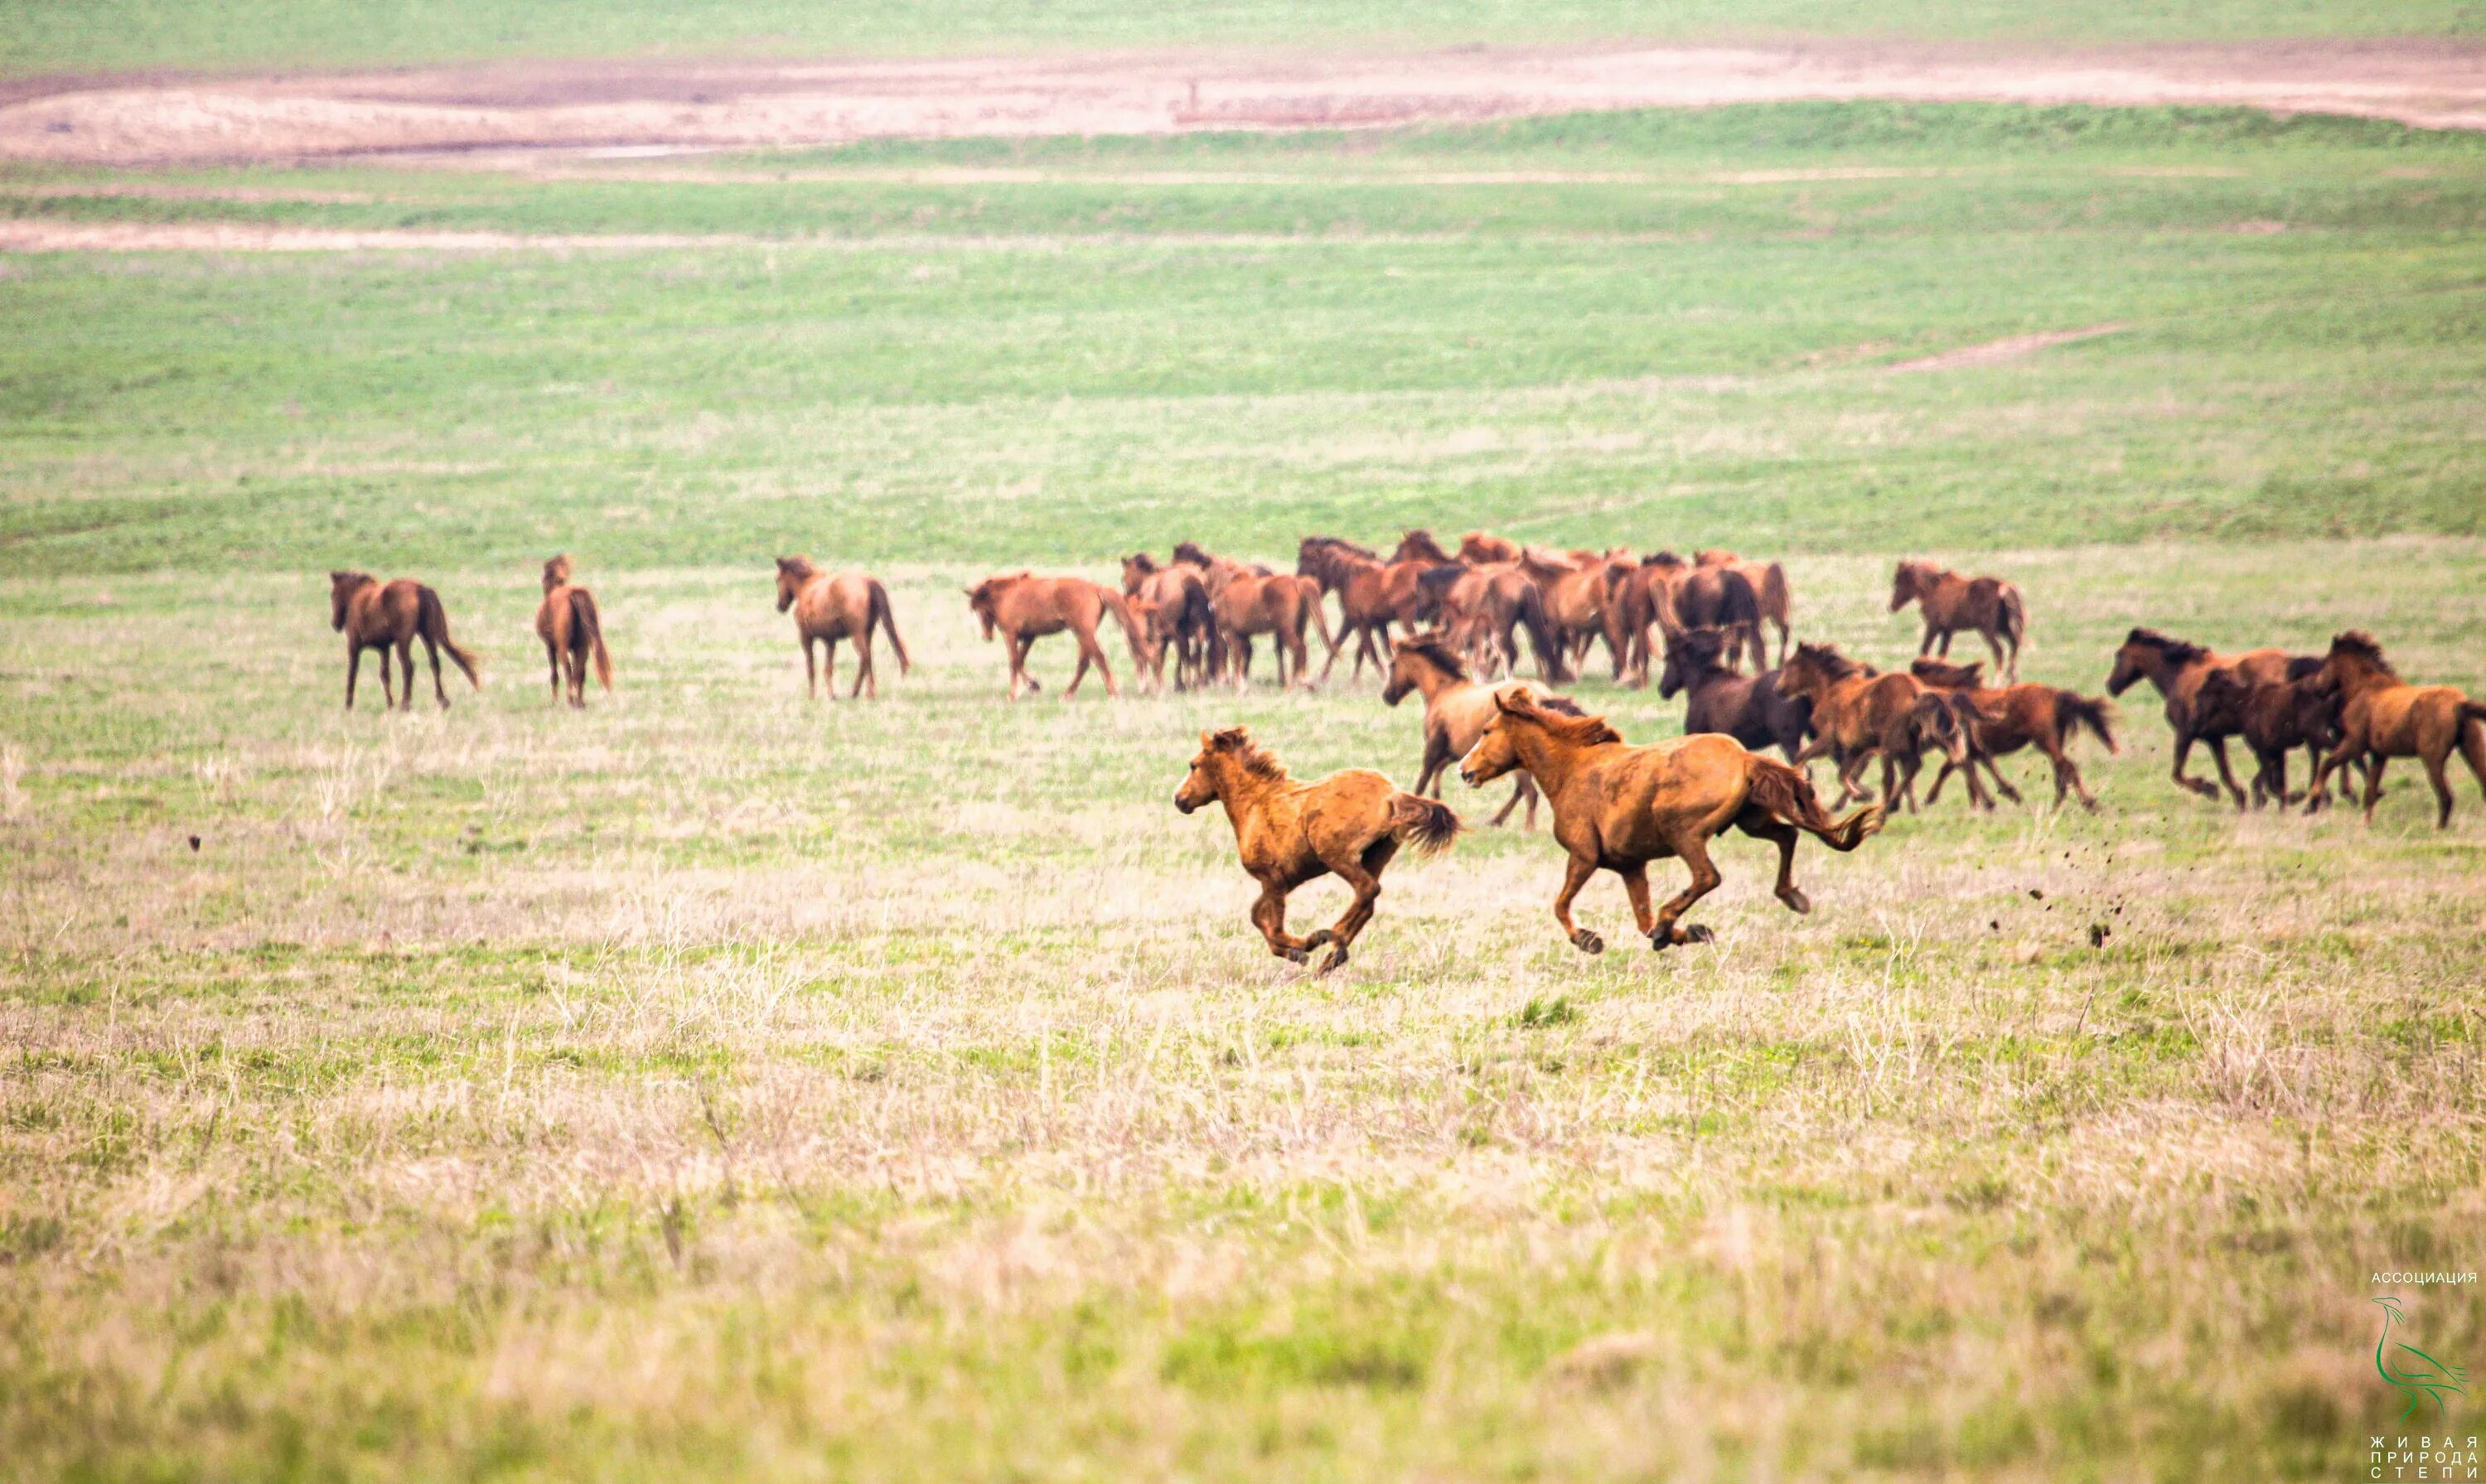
<point x="1336" y="957"/>
<point x="1587" y="941"/>
<point x="1796" y="901"/>
<point x="1296" y="955"/>
<point x="1696" y="933"/>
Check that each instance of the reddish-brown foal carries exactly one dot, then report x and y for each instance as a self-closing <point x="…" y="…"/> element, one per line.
<point x="393" y="617"/>
<point x="571" y="632"/>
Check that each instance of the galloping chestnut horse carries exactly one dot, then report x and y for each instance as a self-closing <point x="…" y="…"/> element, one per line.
<point x="2382" y="717"/>
<point x="1618" y="807"/>
<point x="1859" y="712"/>
<point x="571" y="633"/>
<point x="2177" y="669"/>
<point x="830" y="607"/>
<point x="2001" y="720"/>
<point x="1024" y="608"/>
<point x="374" y="617"/>
<point x="1950" y="602"/>
<point x="1753" y="709"/>
<point x="1457" y="710"/>
<point x="1349" y="823"/>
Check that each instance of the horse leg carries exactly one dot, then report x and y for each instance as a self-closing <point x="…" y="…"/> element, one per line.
<point x="1096" y="653"/>
<point x="1575" y="875"/>
<point x="811" y="670"/>
<point x="1077" y="676"/>
<point x="552" y="659"/>
<point x="1294" y="639"/>
<point x="354" y="668"/>
<point x="2373" y="783"/>
<point x="1363" y="875"/>
<point x="1269" y="915"/>
<point x="388" y="676"/>
<point x="2227" y="775"/>
<point x="432" y="652"/>
<point x="1518" y="792"/>
<point x="1925" y="645"/>
<point x="1437" y="761"/>
<point x="1994" y="641"/>
<point x="829" y="666"/>
<point x="1017" y="646"/>
<point x="2435" y="775"/>
<point x="1693" y="851"/>
<point x="1761" y="824"/>
<point x="2183" y="749"/>
<point x="865" y="682"/>
<point x="2001" y="785"/>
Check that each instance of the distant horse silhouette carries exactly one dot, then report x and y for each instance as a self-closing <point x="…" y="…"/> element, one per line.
<point x="1618" y="807"/>
<point x="1181" y="617"/>
<point x="2177" y="670"/>
<point x="393" y="617"/>
<point x="2382" y="717"/>
<point x="1950" y="603"/>
<point x="829" y="607"/>
<point x="1752" y="710"/>
<point x="1024" y="608"/>
<point x="1349" y="823"/>
<point x="1251" y="601"/>
<point x="571" y="633"/>
<point x="1859" y="713"/>
<point x="2001" y="720"/>
<point x="1457" y="710"/>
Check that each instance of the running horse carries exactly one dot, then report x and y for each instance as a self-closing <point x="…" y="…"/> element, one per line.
<point x="1349" y="824"/>
<point x="1618" y="807"/>
<point x="1457" y="710"/>
<point x="1950" y="603"/>
<point x="2003" y="719"/>
<point x="1859" y="713"/>
<point x="572" y="634"/>
<point x="393" y="616"/>
<point x="1371" y="594"/>
<point x="1023" y="607"/>
<point x="832" y="606"/>
<point x="2177" y="669"/>
<point x="2382" y="717"/>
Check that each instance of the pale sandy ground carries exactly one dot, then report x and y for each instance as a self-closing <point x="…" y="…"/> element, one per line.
<point x="653" y="106"/>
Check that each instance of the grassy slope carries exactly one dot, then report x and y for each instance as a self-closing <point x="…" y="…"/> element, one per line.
<point x="74" y="36"/>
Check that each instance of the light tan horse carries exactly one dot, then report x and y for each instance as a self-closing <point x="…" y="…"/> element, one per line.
<point x="1618" y="807"/>
<point x="1349" y="823"/>
<point x="1456" y="711"/>
<point x="393" y="617"/>
<point x="1950" y="603"/>
<point x="832" y="606"/>
<point x="2382" y="717"/>
<point x="1023" y="607"/>
<point x="572" y="634"/>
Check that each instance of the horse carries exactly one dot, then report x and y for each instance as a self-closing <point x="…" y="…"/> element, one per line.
<point x="1859" y="712"/>
<point x="2177" y="670"/>
<point x="1457" y="710"/>
<point x="1418" y="545"/>
<point x="566" y="623"/>
<point x="1573" y="590"/>
<point x="1349" y="823"/>
<point x="1479" y="548"/>
<point x="1769" y="590"/>
<point x="1618" y="807"/>
<point x="2382" y="717"/>
<point x="1024" y="608"/>
<point x="1672" y="594"/>
<point x="375" y="617"/>
<point x="2273" y="719"/>
<point x="1179" y="617"/>
<point x="1484" y="605"/>
<point x="1371" y="595"/>
<point x="1753" y="709"/>
<point x="1950" y="602"/>
<point x="832" y="606"/>
<point x="2001" y="720"/>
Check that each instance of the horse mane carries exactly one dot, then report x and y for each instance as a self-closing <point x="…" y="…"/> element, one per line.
<point x="1664" y="559"/>
<point x="1421" y="544"/>
<point x="2359" y="644"/>
<point x="1575" y="727"/>
<point x="1435" y="647"/>
<point x="1563" y="705"/>
<point x="1835" y="665"/>
<point x="2176" y="651"/>
<point x="1144" y="562"/>
<point x="1235" y="742"/>
<point x="1337" y="543"/>
<point x="1442" y="576"/>
<point x="1189" y="552"/>
<point x="1934" y="671"/>
<point x="796" y="567"/>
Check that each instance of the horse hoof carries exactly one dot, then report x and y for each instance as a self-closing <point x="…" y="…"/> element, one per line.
<point x="1796" y="900"/>
<point x="1587" y="941"/>
<point x="1696" y="933"/>
<point x="1296" y="955"/>
<point x="1336" y="957"/>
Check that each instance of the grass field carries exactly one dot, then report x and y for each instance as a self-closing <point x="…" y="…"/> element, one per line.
<point x="719" y="1086"/>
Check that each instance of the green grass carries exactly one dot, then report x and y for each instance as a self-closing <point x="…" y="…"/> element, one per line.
<point x="89" y="34"/>
<point x="717" y="1084"/>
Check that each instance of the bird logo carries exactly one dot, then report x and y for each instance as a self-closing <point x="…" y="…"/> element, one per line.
<point x="2411" y="1371"/>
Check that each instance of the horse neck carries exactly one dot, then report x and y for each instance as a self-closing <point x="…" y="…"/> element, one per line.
<point x="1548" y="760"/>
<point x="2359" y="678"/>
<point x="1431" y="680"/>
<point x="1243" y="792"/>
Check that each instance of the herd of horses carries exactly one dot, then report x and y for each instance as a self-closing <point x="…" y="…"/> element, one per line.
<point x="1701" y="624"/>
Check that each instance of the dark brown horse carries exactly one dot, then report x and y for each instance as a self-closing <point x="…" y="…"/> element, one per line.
<point x="2273" y="718"/>
<point x="2382" y="717"/>
<point x="1950" y="603"/>
<point x="1618" y="807"/>
<point x="1861" y="713"/>
<point x="1023" y="607"/>
<point x="1750" y="708"/>
<point x="829" y="606"/>
<point x="571" y="632"/>
<point x="1350" y="824"/>
<point x="2001" y="720"/>
<point x="1457" y="712"/>
<point x="393" y="617"/>
<point x="1179" y="618"/>
<point x="1672" y="594"/>
<point x="1769" y="588"/>
<point x="2177" y="669"/>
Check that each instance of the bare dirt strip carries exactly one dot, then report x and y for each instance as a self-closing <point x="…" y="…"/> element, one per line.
<point x="749" y="104"/>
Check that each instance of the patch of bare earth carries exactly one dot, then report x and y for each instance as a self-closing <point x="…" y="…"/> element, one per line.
<point x="723" y="104"/>
<point x="2011" y="348"/>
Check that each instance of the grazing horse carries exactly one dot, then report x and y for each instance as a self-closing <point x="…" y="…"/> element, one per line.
<point x="2177" y="669"/>
<point x="1024" y="608"/>
<point x="1349" y="823"/>
<point x="1479" y="548"/>
<point x="1753" y="709"/>
<point x="1457" y="710"/>
<point x="1769" y="588"/>
<point x="1950" y="602"/>
<point x="374" y="617"/>
<point x="2001" y="720"/>
<point x="1371" y="595"/>
<point x="1179" y="617"/>
<point x="1859" y="712"/>
<point x="1483" y="606"/>
<point x="2273" y="719"/>
<point x="1573" y="588"/>
<point x="829" y="606"/>
<point x="1618" y="807"/>
<point x="571" y="633"/>
<point x="2382" y="717"/>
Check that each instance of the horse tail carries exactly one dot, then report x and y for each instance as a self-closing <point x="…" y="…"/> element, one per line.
<point x="2014" y="616"/>
<point x="2074" y="710"/>
<point x="1312" y="595"/>
<point x="1540" y="636"/>
<point x="878" y="613"/>
<point x="587" y="632"/>
<point x="1120" y="608"/>
<point x="1776" y="605"/>
<point x="1788" y="797"/>
<point x="431" y="621"/>
<point x="1425" y="826"/>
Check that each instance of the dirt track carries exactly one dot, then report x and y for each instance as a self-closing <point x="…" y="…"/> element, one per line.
<point x="694" y="105"/>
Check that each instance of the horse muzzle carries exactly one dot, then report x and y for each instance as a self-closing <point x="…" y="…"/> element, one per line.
<point x="1183" y="804"/>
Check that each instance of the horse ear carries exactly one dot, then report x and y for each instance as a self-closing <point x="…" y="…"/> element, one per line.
<point x="1510" y="703"/>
